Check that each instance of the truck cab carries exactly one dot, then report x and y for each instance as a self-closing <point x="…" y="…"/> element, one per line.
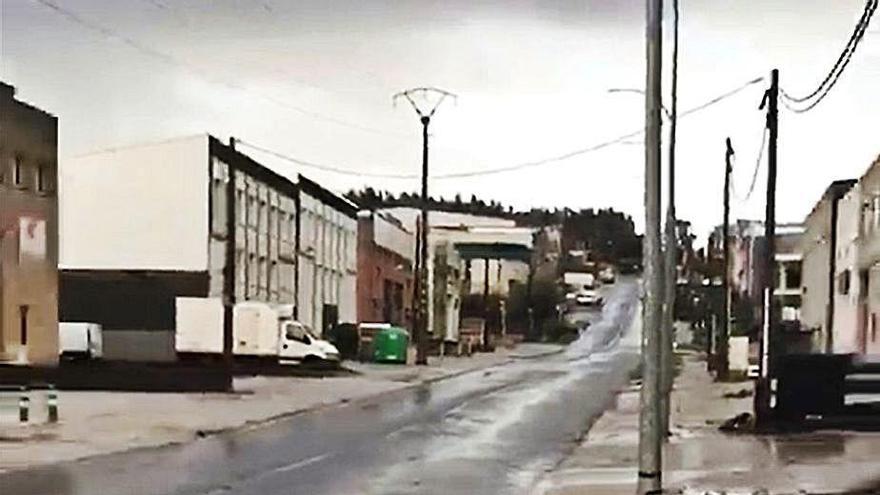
<point x="299" y="344"/>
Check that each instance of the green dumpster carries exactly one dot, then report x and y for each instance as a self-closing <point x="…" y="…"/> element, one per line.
<point x="390" y="344"/>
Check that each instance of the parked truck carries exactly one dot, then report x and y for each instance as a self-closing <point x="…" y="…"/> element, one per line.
<point x="260" y="331"/>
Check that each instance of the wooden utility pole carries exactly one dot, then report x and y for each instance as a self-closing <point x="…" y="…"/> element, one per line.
<point x="650" y="438"/>
<point x="763" y="391"/>
<point x="723" y="362"/>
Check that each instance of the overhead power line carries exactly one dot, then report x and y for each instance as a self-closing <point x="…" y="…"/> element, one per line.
<point x="623" y="139"/>
<point x="754" y="179"/>
<point x="174" y="62"/>
<point x="843" y="60"/>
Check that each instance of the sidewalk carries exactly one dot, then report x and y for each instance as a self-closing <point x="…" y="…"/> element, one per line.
<point x="93" y="423"/>
<point x="700" y="459"/>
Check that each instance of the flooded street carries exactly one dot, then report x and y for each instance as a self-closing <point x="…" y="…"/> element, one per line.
<point x="488" y="432"/>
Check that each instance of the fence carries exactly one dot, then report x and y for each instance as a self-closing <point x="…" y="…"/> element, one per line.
<point x="821" y="390"/>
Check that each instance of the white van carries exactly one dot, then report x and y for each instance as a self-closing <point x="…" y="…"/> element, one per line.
<point x="299" y="344"/>
<point x="80" y="340"/>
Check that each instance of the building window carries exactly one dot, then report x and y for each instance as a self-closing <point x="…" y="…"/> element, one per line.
<point x="793" y="275"/>
<point x="42" y="175"/>
<point x="23" y="324"/>
<point x="17" y="171"/>
<point x="843" y="283"/>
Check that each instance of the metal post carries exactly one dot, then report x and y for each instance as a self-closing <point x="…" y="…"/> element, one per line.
<point x="723" y="364"/>
<point x="52" y="404"/>
<point x="650" y="440"/>
<point x="667" y="361"/>
<point x="763" y="409"/>
<point x="24" y="405"/>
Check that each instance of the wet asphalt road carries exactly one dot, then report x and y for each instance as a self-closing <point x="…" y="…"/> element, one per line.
<point x="488" y="432"/>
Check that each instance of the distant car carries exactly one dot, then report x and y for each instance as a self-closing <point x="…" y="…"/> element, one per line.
<point x="754" y="371"/>
<point x="588" y="297"/>
<point x="607" y="276"/>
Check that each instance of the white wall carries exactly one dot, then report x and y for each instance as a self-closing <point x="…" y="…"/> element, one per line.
<point x="138" y="208"/>
<point x="816" y="244"/>
<point x="846" y="305"/>
<point x="328" y="262"/>
<point x="393" y="238"/>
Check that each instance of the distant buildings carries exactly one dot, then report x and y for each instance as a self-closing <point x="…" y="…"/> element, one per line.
<point x="28" y="232"/>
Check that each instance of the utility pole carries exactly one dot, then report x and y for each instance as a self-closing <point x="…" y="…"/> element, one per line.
<point x="229" y="266"/>
<point x="763" y="391"/>
<point x="417" y="270"/>
<point x="421" y="330"/>
<point x="723" y="338"/>
<point x="650" y="439"/>
<point x="667" y="362"/>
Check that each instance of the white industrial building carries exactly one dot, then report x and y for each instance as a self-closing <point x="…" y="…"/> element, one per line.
<point x="143" y="233"/>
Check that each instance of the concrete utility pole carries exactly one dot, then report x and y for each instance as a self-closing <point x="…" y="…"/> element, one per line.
<point x="650" y="439"/>
<point x="763" y="392"/>
<point x="723" y="365"/>
<point x="667" y="361"/>
<point x="421" y="330"/>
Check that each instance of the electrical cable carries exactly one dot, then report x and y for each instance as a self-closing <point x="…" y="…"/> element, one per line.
<point x="837" y="70"/>
<point x="624" y="139"/>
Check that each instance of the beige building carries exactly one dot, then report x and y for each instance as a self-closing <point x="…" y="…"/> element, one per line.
<point x="857" y="299"/>
<point x="28" y="232"/>
<point x="819" y="245"/>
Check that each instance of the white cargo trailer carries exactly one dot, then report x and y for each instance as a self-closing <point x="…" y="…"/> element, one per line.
<point x="80" y="340"/>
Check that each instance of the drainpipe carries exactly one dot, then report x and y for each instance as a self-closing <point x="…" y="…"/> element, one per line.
<point x="832" y="269"/>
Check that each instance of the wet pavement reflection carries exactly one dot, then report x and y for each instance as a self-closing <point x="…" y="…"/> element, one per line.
<point x="488" y="432"/>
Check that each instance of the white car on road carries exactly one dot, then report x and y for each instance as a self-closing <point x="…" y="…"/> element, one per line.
<point x="586" y="297"/>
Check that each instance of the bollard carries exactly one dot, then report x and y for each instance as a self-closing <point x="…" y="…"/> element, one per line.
<point x="52" y="404"/>
<point x="24" y="404"/>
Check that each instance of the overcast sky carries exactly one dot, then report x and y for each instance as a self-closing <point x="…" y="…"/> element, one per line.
<point x="314" y="78"/>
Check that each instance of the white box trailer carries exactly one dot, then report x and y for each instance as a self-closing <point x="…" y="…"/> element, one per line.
<point x="198" y="325"/>
<point x="579" y="280"/>
<point x="255" y="329"/>
<point x="80" y="340"/>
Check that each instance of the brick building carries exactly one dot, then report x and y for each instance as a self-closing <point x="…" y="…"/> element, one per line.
<point x="385" y="269"/>
<point x="28" y="232"/>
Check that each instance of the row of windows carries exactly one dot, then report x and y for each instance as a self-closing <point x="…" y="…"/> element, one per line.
<point x="21" y="174"/>
<point x="318" y="232"/>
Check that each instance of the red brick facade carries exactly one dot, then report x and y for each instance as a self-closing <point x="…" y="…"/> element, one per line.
<point x="384" y="277"/>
